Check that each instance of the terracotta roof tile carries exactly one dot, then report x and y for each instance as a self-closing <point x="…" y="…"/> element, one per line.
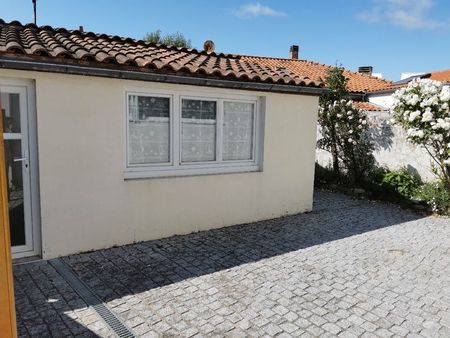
<point x="358" y="83"/>
<point x="441" y="75"/>
<point x="61" y="45"/>
<point x="367" y="106"/>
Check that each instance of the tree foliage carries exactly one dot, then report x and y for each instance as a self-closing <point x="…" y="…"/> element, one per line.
<point x="176" y="39"/>
<point x="344" y="130"/>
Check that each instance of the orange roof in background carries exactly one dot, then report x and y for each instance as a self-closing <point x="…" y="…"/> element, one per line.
<point x="367" y="106"/>
<point x="442" y="75"/>
<point x="358" y="83"/>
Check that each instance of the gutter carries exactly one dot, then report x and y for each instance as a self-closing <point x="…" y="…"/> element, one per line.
<point x="381" y="92"/>
<point x="14" y="63"/>
<point x="357" y="96"/>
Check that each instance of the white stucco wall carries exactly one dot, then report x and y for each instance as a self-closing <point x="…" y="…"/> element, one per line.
<point x="394" y="151"/>
<point x="86" y="203"/>
<point x="385" y="100"/>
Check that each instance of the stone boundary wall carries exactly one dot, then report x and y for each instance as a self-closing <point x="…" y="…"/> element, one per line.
<point x="392" y="148"/>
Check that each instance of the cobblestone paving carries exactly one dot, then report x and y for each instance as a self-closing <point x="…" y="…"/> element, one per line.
<point x="350" y="268"/>
<point x="47" y="306"/>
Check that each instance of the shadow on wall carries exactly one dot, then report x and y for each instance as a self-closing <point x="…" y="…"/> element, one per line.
<point x="133" y="269"/>
<point x="412" y="170"/>
<point x="381" y="132"/>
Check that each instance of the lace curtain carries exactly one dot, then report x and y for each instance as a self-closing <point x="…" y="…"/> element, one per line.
<point x="238" y="131"/>
<point x="198" y="130"/>
<point x="149" y="129"/>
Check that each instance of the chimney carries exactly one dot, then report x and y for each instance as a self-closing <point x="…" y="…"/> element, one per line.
<point x="209" y="46"/>
<point x="365" y="70"/>
<point x="293" y="52"/>
<point x="81" y="29"/>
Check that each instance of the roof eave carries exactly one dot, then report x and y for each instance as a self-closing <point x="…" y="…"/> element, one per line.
<point x="382" y="91"/>
<point x="33" y="65"/>
<point x="356" y="95"/>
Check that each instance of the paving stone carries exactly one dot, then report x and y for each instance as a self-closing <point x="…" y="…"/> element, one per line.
<point x="332" y="328"/>
<point x="272" y="329"/>
<point x="349" y="268"/>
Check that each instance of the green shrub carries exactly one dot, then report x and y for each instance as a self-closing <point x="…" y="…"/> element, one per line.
<point x="402" y="182"/>
<point x="324" y="175"/>
<point x="436" y="195"/>
<point x="376" y="174"/>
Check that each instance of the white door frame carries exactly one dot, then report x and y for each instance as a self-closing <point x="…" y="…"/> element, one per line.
<point x="26" y="90"/>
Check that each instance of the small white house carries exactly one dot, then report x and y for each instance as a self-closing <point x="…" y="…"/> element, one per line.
<point x="112" y="140"/>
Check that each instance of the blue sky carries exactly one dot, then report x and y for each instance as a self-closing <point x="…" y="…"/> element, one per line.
<point x="393" y="36"/>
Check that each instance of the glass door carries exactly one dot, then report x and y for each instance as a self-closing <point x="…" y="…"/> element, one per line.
<point x="14" y="111"/>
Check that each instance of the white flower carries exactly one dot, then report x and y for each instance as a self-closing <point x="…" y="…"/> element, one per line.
<point x="350" y="131"/>
<point x="414" y="132"/>
<point x="445" y="94"/>
<point x="339" y="116"/>
<point x="442" y="124"/>
<point x="427" y="116"/>
<point x="438" y="137"/>
<point x="413" y="99"/>
<point x="364" y="122"/>
<point x="414" y="115"/>
<point x="350" y="140"/>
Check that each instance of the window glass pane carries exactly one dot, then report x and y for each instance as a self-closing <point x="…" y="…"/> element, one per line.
<point x="238" y="131"/>
<point x="149" y="129"/>
<point x="198" y="130"/>
<point x="10" y="112"/>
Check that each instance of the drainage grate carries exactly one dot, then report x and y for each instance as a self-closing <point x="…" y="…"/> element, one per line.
<point x="116" y="325"/>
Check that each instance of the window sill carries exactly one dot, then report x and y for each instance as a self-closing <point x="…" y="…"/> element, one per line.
<point x="183" y="171"/>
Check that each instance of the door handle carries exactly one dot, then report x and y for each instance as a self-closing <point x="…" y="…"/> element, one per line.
<point x="22" y="159"/>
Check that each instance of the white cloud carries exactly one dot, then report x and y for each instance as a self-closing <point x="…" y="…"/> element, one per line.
<point x="256" y="9"/>
<point x="403" y="13"/>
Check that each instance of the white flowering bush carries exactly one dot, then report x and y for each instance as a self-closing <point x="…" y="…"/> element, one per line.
<point x="344" y="131"/>
<point x="423" y="110"/>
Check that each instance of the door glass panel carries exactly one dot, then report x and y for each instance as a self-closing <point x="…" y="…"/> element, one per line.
<point x="10" y="108"/>
<point x="13" y="150"/>
<point x="10" y="113"/>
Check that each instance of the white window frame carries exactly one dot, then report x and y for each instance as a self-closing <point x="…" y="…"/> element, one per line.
<point x="165" y="164"/>
<point x="177" y="168"/>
